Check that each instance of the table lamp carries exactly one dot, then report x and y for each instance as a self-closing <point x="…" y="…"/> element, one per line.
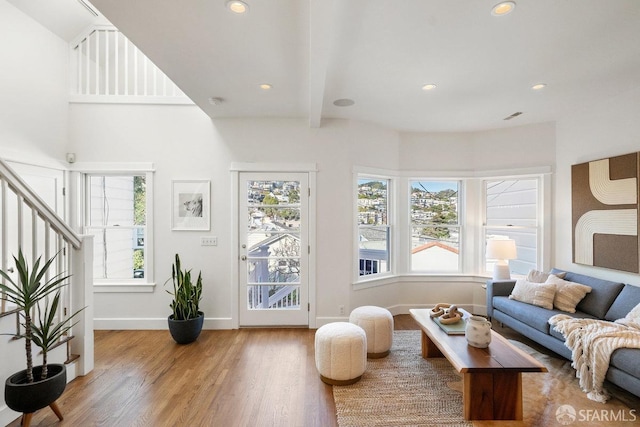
<point x="501" y="250"/>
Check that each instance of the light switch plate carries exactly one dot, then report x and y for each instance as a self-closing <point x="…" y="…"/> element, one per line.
<point x="209" y="241"/>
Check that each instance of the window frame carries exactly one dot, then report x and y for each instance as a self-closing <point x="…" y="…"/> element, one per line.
<point x="390" y="226"/>
<point x="542" y="226"/>
<point x="87" y="170"/>
<point x="471" y="218"/>
<point x="460" y="226"/>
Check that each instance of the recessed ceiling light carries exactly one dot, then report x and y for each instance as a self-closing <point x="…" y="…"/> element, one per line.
<point x="344" y="102"/>
<point x="539" y="86"/>
<point x="503" y="8"/>
<point x="237" y="6"/>
<point x="429" y="86"/>
<point x="265" y="86"/>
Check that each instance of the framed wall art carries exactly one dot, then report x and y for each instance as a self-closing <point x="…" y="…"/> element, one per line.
<point x="605" y="213"/>
<point x="190" y="205"/>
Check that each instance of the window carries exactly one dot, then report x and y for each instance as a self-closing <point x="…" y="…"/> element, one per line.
<point x="512" y="212"/>
<point x="435" y="225"/>
<point x="116" y="215"/>
<point x="374" y="233"/>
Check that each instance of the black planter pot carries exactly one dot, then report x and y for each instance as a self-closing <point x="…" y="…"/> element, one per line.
<point x="29" y="397"/>
<point x="186" y="331"/>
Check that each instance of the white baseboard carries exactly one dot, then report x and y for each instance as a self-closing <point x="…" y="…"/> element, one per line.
<point x="404" y="309"/>
<point x="7" y="416"/>
<point x="227" y="323"/>
<point x="153" y="323"/>
<point x="321" y="321"/>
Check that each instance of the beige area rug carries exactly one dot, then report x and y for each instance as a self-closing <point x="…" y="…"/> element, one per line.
<point x="404" y="389"/>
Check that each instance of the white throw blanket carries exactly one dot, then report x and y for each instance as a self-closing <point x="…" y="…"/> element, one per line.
<point x="591" y="343"/>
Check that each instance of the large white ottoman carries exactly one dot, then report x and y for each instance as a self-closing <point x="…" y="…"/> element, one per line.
<point x="341" y="353"/>
<point x="377" y="323"/>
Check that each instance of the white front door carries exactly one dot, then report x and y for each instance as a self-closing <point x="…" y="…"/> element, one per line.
<point x="274" y="249"/>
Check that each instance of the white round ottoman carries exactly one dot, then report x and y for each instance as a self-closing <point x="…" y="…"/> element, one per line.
<point x="341" y="353"/>
<point x="377" y="323"/>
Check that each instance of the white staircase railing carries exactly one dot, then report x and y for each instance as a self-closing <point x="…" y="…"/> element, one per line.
<point x="28" y="223"/>
<point x="107" y="67"/>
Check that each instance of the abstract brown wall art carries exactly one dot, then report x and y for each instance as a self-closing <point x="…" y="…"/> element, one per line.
<point x="604" y="200"/>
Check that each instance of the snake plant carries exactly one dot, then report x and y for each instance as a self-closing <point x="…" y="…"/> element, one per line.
<point x="186" y="294"/>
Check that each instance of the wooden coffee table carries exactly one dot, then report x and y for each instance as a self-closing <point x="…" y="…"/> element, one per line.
<point x="492" y="376"/>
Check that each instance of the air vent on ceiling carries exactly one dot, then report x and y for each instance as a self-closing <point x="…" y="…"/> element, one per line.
<point x="516" y="114"/>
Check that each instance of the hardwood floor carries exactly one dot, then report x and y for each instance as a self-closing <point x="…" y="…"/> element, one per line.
<point x="246" y="377"/>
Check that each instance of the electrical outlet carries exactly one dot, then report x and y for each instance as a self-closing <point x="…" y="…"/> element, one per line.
<point x="341" y="309"/>
<point x="209" y="241"/>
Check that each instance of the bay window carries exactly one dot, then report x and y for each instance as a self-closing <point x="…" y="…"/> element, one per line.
<point x="440" y="225"/>
<point x="374" y="231"/>
<point x="512" y="212"/>
<point x="435" y="226"/>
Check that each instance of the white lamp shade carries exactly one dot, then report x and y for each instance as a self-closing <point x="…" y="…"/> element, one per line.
<point x="501" y="249"/>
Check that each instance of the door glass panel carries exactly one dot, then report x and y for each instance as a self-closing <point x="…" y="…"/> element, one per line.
<point x="274" y="219"/>
<point x="273" y="244"/>
<point x="273" y="297"/>
<point x="273" y="270"/>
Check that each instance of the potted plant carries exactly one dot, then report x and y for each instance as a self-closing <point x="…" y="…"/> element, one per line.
<point x="185" y="323"/>
<point x="37" y="386"/>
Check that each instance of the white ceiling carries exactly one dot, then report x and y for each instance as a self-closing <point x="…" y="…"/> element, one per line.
<point x="380" y="52"/>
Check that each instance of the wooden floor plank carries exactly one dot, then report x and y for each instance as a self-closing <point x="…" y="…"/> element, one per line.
<point x="246" y="377"/>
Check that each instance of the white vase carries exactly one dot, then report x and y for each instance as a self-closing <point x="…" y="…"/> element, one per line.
<point x="478" y="331"/>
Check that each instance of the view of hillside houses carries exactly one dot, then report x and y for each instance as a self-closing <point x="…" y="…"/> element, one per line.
<point x="434" y="221"/>
<point x="273" y="237"/>
<point x="435" y="229"/>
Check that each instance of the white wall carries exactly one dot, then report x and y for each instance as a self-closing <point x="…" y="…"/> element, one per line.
<point x="510" y="148"/>
<point x="608" y="129"/>
<point x="33" y="128"/>
<point x="34" y="89"/>
<point x="183" y="143"/>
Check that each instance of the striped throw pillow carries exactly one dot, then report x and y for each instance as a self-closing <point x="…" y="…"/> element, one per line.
<point x="568" y="294"/>
<point x="540" y="294"/>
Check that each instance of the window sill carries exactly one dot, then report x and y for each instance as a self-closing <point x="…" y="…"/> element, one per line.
<point x="123" y="287"/>
<point x="417" y="278"/>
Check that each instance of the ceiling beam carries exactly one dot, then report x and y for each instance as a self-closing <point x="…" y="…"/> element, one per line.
<point x="321" y="14"/>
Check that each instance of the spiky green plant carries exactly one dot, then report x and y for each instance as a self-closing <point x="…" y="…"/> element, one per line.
<point x="186" y="294"/>
<point x="46" y="333"/>
<point x="27" y="292"/>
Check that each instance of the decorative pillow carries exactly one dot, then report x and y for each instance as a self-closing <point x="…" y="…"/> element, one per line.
<point x="632" y="319"/>
<point x="536" y="276"/>
<point x="540" y="294"/>
<point x="568" y="294"/>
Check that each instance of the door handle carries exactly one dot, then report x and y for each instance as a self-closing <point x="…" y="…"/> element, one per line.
<point x="243" y="257"/>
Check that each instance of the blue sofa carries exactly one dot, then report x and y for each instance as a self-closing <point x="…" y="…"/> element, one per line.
<point x="607" y="301"/>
